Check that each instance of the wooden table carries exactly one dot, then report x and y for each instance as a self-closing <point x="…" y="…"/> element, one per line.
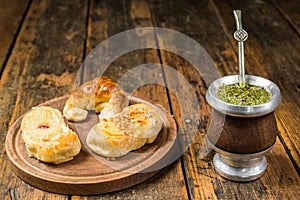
<point x="44" y="42"/>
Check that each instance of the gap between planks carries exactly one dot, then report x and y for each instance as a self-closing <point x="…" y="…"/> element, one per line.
<point x="154" y="21"/>
<point x="14" y="39"/>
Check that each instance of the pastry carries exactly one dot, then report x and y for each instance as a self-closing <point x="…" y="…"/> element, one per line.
<point x="141" y="120"/>
<point x="135" y="126"/>
<point x="94" y="95"/>
<point x="47" y="137"/>
<point x="115" y="105"/>
<point x="121" y="128"/>
<point x="108" y="140"/>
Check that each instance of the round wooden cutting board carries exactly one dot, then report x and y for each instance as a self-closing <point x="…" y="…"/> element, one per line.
<point x="89" y="173"/>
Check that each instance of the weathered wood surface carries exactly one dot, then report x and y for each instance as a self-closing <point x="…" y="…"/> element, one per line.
<point x="46" y="41"/>
<point x="289" y="11"/>
<point x="11" y="16"/>
<point x="261" y="60"/>
<point x="106" y="19"/>
<point x="244" y="135"/>
<point x="42" y="66"/>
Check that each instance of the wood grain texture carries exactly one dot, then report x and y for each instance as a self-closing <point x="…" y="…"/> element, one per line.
<point x="11" y="15"/>
<point x="47" y="52"/>
<point x="54" y="35"/>
<point x="243" y="135"/>
<point x="290" y="12"/>
<point x="196" y="19"/>
<point x="106" y="19"/>
<point x="199" y="172"/>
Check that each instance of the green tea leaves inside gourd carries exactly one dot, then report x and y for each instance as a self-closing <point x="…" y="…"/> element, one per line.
<point x="247" y="96"/>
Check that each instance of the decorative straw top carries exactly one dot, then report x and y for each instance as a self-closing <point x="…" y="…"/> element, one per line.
<point x="240" y="35"/>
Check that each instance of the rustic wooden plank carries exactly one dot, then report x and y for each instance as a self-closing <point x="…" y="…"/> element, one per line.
<point x="200" y="174"/>
<point x="207" y="23"/>
<point x="108" y="18"/>
<point x="289" y="9"/>
<point x="42" y="66"/>
<point x="11" y="16"/>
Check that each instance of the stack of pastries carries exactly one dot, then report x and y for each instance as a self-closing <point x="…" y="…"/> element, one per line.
<point x="121" y="127"/>
<point x="94" y="95"/>
<point x="135" y="126"/>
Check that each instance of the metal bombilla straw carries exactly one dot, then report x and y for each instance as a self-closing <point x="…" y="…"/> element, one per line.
<point x="240" y="35"/>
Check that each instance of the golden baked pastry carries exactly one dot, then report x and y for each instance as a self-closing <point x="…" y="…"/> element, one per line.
<point x="135" y="126"/>
<point x="115" y="105"/>
<point x="108" y="140"/>
<point x="143" y="121"/>
<point x="94" y="95"/>
<point x="121" y="128"/>
<point x="47" y="137"/>
<point x="103" y="92"/>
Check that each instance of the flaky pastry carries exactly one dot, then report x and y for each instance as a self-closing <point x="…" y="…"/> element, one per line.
<point x="94" y="95"/>
<point x="121" y="128"/>
<point x="108" y="140"/>
<point x="135" y="126"/>
<point x="47" y="137"/>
